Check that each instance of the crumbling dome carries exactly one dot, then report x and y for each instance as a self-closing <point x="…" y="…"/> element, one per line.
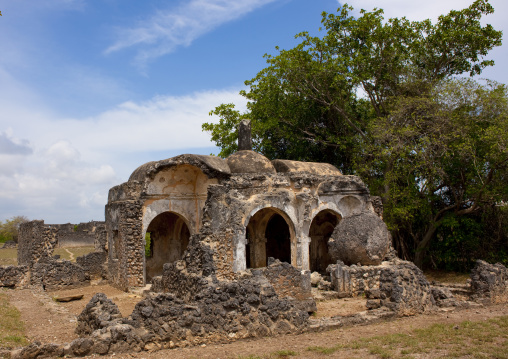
<point x="361" y="238"/>
<point x="249" y="162"/>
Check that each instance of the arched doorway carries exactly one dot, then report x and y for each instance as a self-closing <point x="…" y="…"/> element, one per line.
<point x="167" y="239"/>
<point x="320" y="231"/>
<point x="268" y="235"/>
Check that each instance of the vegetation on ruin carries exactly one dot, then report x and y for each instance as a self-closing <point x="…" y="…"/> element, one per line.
<point x="11" y="327"/>
<point x="9" y="228"/>
<point x="386" y="100"/>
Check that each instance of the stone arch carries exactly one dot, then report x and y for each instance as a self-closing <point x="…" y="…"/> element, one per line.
<point x="269" y="232"/>
<point x="169" y="237"/>
<point x="321" y="228"/>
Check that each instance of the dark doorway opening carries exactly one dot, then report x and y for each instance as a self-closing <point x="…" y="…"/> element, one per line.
<point x="169" y="236"/>
<point x="321" y="229"/>
<point x="268" y="235"/>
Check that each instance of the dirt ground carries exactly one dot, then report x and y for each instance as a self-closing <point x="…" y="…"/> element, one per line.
<point x="49" y="321"/>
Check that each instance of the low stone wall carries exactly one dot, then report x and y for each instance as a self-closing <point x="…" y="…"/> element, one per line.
<point x="13" y="276"/>
<point x="10" y="244"/>
<point x="54" y="274"/>
<point x="93" y="263"/>
<point x="83" y="234"/>
<point x="490" y="282"/>
<point x="398" y="285"/>
<point x="291" y="283"/>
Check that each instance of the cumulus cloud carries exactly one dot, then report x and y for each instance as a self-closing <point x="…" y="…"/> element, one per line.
<point x="167" y="29"/>
<point x="73" y="162"/>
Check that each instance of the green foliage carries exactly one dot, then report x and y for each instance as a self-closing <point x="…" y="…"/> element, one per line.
<point x="148" y="245"/>
<point x="432" y="146"/>
<point x="462" y="240"/>
<point x="9" y="228"/>
<point x="442" y="156"/>
<point x="75" y="228"/>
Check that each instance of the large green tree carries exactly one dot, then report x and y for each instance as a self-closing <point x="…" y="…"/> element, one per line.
<point x="442" y="156"/>
<point x="343" y="98"/>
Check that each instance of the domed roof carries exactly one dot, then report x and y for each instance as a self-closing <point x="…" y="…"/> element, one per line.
<point x="287" y="166"/>
<point x="249" y="162"/>
<point x="212" y="166"/>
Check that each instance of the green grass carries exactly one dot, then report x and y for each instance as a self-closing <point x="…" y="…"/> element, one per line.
<point x="12" y="332"/>
<point x="482" y="339"/>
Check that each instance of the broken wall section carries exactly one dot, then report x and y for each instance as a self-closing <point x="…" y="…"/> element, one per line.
<point x="36" y="264"/>
<point x="82" y="234"/>
<point x="398" y="285"/>
<point x="489" y="282"/>
<point x="36" y="241"/>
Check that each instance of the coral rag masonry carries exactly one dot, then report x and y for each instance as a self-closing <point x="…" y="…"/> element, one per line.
<point x="225" y="249"/>
<point x="236" y="213"/>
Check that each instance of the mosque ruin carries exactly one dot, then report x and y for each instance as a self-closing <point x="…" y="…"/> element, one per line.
<point x="227" y="247"/>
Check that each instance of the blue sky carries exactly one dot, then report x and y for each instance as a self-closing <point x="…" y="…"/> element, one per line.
<point x="90" y="90"/>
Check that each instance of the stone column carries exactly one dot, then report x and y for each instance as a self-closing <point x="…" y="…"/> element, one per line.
<point x="244" y="136"/>
<point x="258" y="252"/>
<point x="302" y="250"/>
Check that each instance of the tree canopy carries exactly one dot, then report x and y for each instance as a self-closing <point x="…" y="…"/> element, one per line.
<point x="9" y="228"/>
<point x="381" y="98"/>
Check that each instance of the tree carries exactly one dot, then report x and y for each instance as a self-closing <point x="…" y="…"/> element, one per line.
<point x="308" y="94"/>
<point x="305" y="105"/>
<point x="442" y="156"/>
<point x="9" y="229"/>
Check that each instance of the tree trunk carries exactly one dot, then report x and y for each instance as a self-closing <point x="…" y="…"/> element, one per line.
<point x="421" y="248"/>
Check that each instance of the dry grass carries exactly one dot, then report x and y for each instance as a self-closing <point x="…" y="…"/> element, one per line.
<point x="76" y="252"/>
<point x="12" y="331"/>
<point x="447" y="277"/>
<point x="280" y="354"/>
<point x="8" y="256"/>
<point x="483" y="339"/>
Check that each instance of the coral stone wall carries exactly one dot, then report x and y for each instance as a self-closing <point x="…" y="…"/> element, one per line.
<point x="82" y="234"/>
<point x="35" y="241"/>
<point x="398" y="285"/>
<point x="230" y="212"/>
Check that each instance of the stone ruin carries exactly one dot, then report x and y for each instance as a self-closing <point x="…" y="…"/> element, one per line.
<point x="228" y="247"/>
<point x="37" y="266"/>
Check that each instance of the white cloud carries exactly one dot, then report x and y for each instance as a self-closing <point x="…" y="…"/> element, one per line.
<point x="75" y="161"/>
<point x="167" y="29"/>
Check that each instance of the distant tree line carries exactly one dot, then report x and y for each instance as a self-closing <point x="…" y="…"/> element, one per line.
<point x="387" y="100"/>
<point x="9" y="228"/>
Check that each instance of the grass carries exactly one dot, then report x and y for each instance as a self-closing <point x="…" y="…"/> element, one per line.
<point x="12" y="332"/>
<point x="482" y="339"/>
<point x="447" y="277"/>
<point x="8" y="256"/>
<point x="279" y="354"/>
<point x="76" y="251"/>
